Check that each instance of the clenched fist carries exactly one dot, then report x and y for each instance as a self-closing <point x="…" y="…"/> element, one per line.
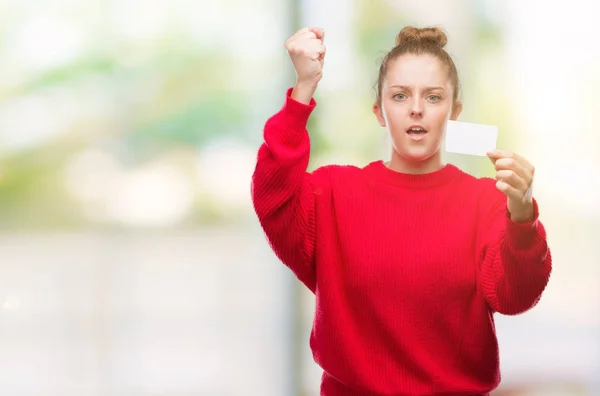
<point x="307" y="52"/>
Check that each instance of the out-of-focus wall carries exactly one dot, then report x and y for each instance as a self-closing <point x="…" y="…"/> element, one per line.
<point x="178" y="313"/>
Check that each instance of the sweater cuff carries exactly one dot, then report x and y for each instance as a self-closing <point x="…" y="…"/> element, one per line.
<point x="297" y="110"/>
<point x="523" y="235"/>
<point x="295" y="120"/>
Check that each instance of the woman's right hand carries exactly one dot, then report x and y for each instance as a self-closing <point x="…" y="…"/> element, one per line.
<point x="307" y="52"/>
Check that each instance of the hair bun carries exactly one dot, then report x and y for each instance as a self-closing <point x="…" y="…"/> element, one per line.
<point x="431" y="35"/>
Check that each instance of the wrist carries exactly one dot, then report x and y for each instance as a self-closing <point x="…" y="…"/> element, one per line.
<point x="303" y="91"/>
<point x="525" y="214"/>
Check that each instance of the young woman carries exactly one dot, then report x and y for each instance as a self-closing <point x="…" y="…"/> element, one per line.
<point x="409" y="259"/>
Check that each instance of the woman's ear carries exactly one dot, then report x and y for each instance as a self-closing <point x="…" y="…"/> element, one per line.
<point x="379" y="114"/>
<point x="456" y="110"/>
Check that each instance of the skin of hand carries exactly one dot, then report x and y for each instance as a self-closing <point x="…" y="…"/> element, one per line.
<point x="307" y="53"/>
<point x="514" y="175"/>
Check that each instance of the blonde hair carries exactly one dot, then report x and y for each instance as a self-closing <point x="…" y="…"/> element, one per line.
<point x="419" y="41"/>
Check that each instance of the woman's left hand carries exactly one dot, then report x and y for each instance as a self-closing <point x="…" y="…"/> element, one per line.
<point x="515" y="176"/>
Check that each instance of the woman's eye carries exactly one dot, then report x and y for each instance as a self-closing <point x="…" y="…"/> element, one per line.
<point x="400" y="96"/>
<point x="434" y="98"/>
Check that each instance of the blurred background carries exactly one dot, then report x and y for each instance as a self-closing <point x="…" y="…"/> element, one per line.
<point x="131" y="261"/>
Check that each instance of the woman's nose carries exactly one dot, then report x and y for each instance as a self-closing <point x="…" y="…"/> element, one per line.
<point x="416" y="112"/>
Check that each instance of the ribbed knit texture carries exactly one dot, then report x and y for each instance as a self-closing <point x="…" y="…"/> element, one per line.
<point x="407" y="269"/>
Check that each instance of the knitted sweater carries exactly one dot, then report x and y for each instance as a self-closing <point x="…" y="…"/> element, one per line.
<point x="407" y="270"/>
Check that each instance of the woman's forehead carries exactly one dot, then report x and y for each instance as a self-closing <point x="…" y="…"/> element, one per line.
<point x="417" y="70"/>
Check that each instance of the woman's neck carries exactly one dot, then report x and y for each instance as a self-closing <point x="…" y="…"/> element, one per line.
<point x="403" y="165"/>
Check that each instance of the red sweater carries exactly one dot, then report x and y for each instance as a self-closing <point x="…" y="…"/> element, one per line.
<point x="407" y="270"/>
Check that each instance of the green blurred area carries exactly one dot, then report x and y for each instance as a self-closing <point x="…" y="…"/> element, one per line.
<point x="167" y="100"/>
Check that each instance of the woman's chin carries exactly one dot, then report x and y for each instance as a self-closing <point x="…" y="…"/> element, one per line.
<point x="418" y="156"/>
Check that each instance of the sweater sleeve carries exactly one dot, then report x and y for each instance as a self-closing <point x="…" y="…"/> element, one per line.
<point x="515" y="258"/>
<point x="283" y="192"/>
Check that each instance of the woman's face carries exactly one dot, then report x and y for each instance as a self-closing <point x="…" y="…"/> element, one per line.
<point x="416" y="103"/>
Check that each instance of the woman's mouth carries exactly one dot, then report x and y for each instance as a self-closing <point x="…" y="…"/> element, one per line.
<point x="416" y="132"/>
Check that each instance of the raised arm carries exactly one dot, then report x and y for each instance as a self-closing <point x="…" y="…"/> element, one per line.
<point x="283" y="192"/>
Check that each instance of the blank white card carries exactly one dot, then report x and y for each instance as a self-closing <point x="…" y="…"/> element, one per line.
<point x="471" y="139"/>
